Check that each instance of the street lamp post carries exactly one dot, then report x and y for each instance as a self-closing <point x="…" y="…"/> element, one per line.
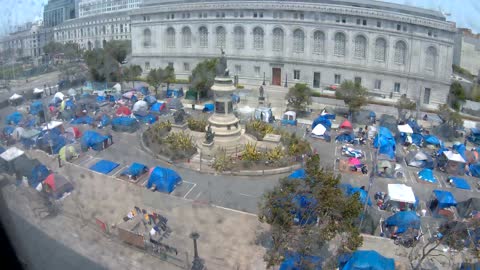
<point x="286" y="80"/>
<point x="197" y="263"/>
<point x="264" y="79"/>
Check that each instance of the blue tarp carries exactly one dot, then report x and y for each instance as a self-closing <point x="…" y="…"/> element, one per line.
<point x="404" y="220"/>
<point x="174" y="93"/>
<point x="136" y="169"/>
<point x="475" y="131"/>
<point x="8" y="130"/>
<point x="414" y="125"/>
<point x="147" y="119"/>
<point x="474" y="170"/>
<point x="105" y="120"/>
<point x="82" y="120"/>
<point x="305" y="209"/>
<point x="157" y="107"/>
<point x="322" y="120"/>
<point x="143" y="89"/>
<point x="124" y="121"/>
<point x="164" y="179"/>
<point x="445" y="198"/>
<point x="345" y="138"/>
<point x="69" y="104"/>
<point x="417" y="139"/>
<point x="295" y="261"/>
<point x="101" y="99"/>
<point x="104" y="166"/>
<point x="2" y="149"/>
<point x="385" y="140"/>
<point x="209" y="107"/>
<point x="427" y="176"/>
<point x="298" y="174"/>
<point x="36" y="107"/>
<point x="363" y="195"/>
<point x="53" y="138"/>
<point x="431" y="139"/>
<point x="150" y="100"/>
<point x="39" y="173"/>
<point x="459" y="182"/>
<point x="14" y="118"/>
<point x="366" y="260"/>
<point x="329" y="116"/>
<point x="468" y="266"/>
<point x="92" y="139"/>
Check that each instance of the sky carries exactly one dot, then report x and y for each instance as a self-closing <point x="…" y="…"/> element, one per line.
<point x="464" y="12"/>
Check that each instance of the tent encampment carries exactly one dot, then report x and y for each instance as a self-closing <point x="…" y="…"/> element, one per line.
<point x="474" y="170"/>
<point x="58" y="185"/>
<point x="305" y="209"/>
<point x="14" y="118"/>
<point x="83" y="120"/>
<point x="432" y="140"/>
<point x="140" y="106"/>
<point x="163" y="179"/>
<point x="345" y="138"/>
<point x="104" y="166"/>
<point x="92" y="139"/>
<point x="459" y="182"/>
<point x="158" y="108"/>
<point x="73" y="133"/>
<point x="135" y="170"/>
<point x="346" y="125"/>
<point x="445" y="198"/>
<point x="469" y="207"/>
<point x="174" y="104"/>
<point x="419" y="159"/>
<point x="452" y="163"/>
<point x="401" y="193"/>
<point x="366" y="259"/>
<point x="323" y="121"/>
<point x="123" y="111"/>
<point x="124" y="124"/>
<point x="403" y="220"/>
<point x="36" y="107"/>
<point x="67" y="153"/>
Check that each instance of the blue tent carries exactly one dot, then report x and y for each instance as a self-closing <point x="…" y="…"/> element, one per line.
<point x="104" y="166"/>
<point x="417" y="139"/>
<point x="470" y="266"/>
<point x="474" y="170"/>
<point x="164" y="179"/>
<point x="158" y="107"/>
<point x="209" y="107"/>
<point x="459" y="182"/>
<point x="427" y="176"/>
<point x="135" y="169"/>
<point x="147" y="119"/>
<point x="124" y="121"/>
<point x="101" y="99"/>
<point x="69" y="104"/>
<point x="105" y="120"/>
<point x="363" y="195"/>
<point x="82" y="120"/>
<point x="367" y="260"/>
<point x="474" y="136"/>
<point x="8" y="130"/>
<point x="460" y="148"/>
<point x="445" y="198"/>
<point x="54" y="139"/>
<point x="386" y="142"/>
<point x="345" y="138"/>
<point x="174" y="93"/>
<point x="295" y="261"/>
<point x="14" y="118"/>
<point x="322" y="120"/>
<point x="150" y="100"/>
<point x="431" y="139"/>
<point x="39" y="173"/>
<point x="36" y="107"/>
<point x="92" y="139"/>
<point x="404" y="220"/>
<point x="298" y="174"/>
<point x="414" y="125"/>
<point x="143" y="89"/>
<point x="305" y="209"/>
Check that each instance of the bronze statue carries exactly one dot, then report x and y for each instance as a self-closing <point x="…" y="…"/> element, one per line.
<point x="209" y="135"/>
<point x="262" y="91"/>
<point x="221" y="67"/>
<point x="179" y="116"/>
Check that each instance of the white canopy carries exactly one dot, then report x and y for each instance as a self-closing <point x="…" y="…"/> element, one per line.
<point x="140" y="105"/>
<point x="15" y="96"/>
<point x="401" y="193"/>
<point x="291" y="113"/>
<point x="117" y="87"/>
<point x="11" y="154"/>
<point x="405" y="129"/>
<point x="454" y="156"/>
<point x="319" y="130"/>
<point x="59" y="95"/>
<point x="52" y="125"/>
<point x="38" y="91"/>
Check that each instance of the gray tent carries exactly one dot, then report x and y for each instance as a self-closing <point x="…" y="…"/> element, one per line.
<point x="466" y="208"/>
<point x="174" y="104"/>
<point x="419" y="159"/>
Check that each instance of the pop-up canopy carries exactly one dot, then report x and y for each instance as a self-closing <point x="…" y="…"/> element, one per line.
<point x="405" y="129"/>
<point x="401" y="193"/>
<point x="451" y="156"/>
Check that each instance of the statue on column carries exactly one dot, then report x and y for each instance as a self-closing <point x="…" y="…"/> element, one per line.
<point x="221" y="68"/>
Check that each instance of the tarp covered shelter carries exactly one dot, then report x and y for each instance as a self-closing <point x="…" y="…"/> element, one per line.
<point x="346" y="125"/>
<point x="158" y="107"/>
<point x="469" y="207"/>
<point x="175" y="93"/>
<point x="164" y="179"/>
<point x="452" y="163"/>
<point x="135" y="170"/>
<point x="459" y="182"/>
<point x="426" y="175"/>
<point x="123" y="111"/>
<point x="104" y="166"/>
<point x="431" y="140"/>
<point x="38" y="174"/>
<point x="124" y="124"/>
<point x="150" y="100"/>
<point x="58" y="185"/>
<point x="147" y="118"/>
<point x="14" y="118"/>
<point x="51" y="141"/>
<point x="174" y="104"/>
<point x="29" y="137"/>
<point x="404" y="220"/>
<point x="295" y="261"/>
<point x="445" y="198"/>
<point x="414" y="125"/>
<point x="323" y="121"/>
<point x="345" y="138"/>
<point x="389" y="122"/>
<point x="474" y="170"/>
<point x="298" y="174"/>
<point x="140" y="106"/>
<point x="405" y="129"/>
<point x="474" y="136"/>
<point x="36" y="107"/>
<point x="385" y="141"/>
<point x="83" y="120"/>
<point x="92" y="139"/>
<point x="363" y="196"/>
<point x="419" y="159"/>
<point x="366" y="260"/>
<point x="319" y="130"/>
<point x="304" y="212"/>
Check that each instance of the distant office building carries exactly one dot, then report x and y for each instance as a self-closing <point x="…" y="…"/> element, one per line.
<point x="27" y="41"/>
<point x="467" y="50"/>
<point x="58" y="11"/>
<point x="95" y="7"/>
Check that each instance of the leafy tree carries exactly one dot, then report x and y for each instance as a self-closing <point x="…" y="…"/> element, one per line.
<point x="155" y="78"/>
<point x="131" y="73"/>
<point x="71" y="51"/>
<point x="335" y="216"/>
<point x="118" y="49"/>
<point x="71" y="72"/>
<point x="169" y="75"/>
<point x="457" y="94"/>
<point x="299" y="96"/>
<point x="102" y="66"/>
<point x="353" y="94"/>
<point x="203" y="76"/>
<point x="53" y="48"/>
<point x="451" y="118"/>
<point x="404" y="105"/>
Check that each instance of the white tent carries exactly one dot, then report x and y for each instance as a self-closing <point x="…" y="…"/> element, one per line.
<point x="319" y="130"/>
<point x="52" y="125"/>
<point x="405" y="129"/>
<point x="454" y="156"/>
<point x="59" y="95"/>
<point x="117" y="87"/>
<point x="11" y="154"/>
<point x="15" y="97"/>
<point x="38" y="91"/>
<point x="401" y="193"/>
<point x="140" y="106"/>
<point x="72" y="92"/>
<point x="290" y="115"/>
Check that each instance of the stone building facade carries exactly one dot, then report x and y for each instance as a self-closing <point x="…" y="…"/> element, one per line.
<point x="467" y="50"/>
<point x="28" y="41"/>
<point x="391" y="49"/>
<point x="95" y="7"/>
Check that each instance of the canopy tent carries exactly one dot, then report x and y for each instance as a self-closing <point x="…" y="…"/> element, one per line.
<point x="123" y="110"/>
<point x="401" y="193"/>
<point x="431" y="140"/>
<point x="426" y="175"/>
<point x="346" y="125"/>
<point x="15" y="97"/>
<point x="175" y="93"/>
<point x="298" y="174"/>
<point x="135" y="170"/>
<point x="304" y="212"/>
<point x="124" y="124"/>
<point x="148" y="118"/>
<point x="419" y="159"/>
<point x="461" y="149"/>
<point x="67" y="153"/>
<point x="323" y="121"/>
<point x="104" y="166"/>
<point x="405" y="129"/>
<point x="164" y="179"/>
<point x="469" y="207"/>
<point x="459" y="182"/>
<point x="39" y="173"/>
<point x="140" y="106"/>
<point x="404" y="220"/>
<point x="452" y="163"/>
<point x="36" y="107"/>
<point x="366" y="260"/>
<point x="92" y="139"/>
<point x="38" y="91"/>
<point x="295" y="261"/>
<point x="14" y="118"/>
<point x="289" y="118"/>
<point x="158" y="107"/>
<point x="445" y="198"/>
<point x="58" y="185"/>
<point x="385" y="141"/>
<point x="209" y="107"/>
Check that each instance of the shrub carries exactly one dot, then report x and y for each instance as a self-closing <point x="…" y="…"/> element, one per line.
<point x="258" y="129"/>
<point x="240" y="86"/>
<point x="251" y="153"/>
<point x="179" y="145"/>
<point x="222" y="161"/>
<point x="182" y="81"/>
<point x="197" y="124"/>
<point x="316" y="94"/>
<point x="158" y="131"/>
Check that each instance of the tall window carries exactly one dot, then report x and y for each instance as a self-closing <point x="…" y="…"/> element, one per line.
<point x="380" y="49"/>
<point x="277" y="39"/>
<point x="258" y="38"/>
<point x="186" y="37"/>
<point x="221" y="37"/>
<point x="171" y="37"/>
<point x="298" y="41"/>
<point x="430" y="58"/>
<point x="318" y="42"/>
<point x="147" y="38"/>
<point x="239" y="37"/>
<point x="400" y="52"/>
<point x="360" y="47"/>
<point x="339" y="48"/>
<point x="203" y="37"/>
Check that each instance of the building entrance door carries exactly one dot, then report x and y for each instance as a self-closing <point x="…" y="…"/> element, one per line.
<point x="276" y="76"/>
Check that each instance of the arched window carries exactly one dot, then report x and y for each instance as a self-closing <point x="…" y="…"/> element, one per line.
<point x="431" y="58"/>
<point x="221" y="37"/>
<point x="360" y="47"/>
<point x="298" y="41"/>
<point x="239" y="37"/>
<point x="277" y="40"/>
<point x="258" y="38"/>
<point x="380" y="49"/>
<point x="186" y="37"/>
<point x="318" y="42"/>
<point x="203" y="37"/>
<point x="339" y="48"/>
<point x="147" y="37"/>
<point x="171" y="37"/>
<point x="400" y="52"/>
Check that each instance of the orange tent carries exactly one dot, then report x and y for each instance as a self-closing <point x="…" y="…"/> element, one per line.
<point x="346" y="125"/>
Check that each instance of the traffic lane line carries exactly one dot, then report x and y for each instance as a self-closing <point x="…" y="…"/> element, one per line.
<point x="186" y="194"/>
